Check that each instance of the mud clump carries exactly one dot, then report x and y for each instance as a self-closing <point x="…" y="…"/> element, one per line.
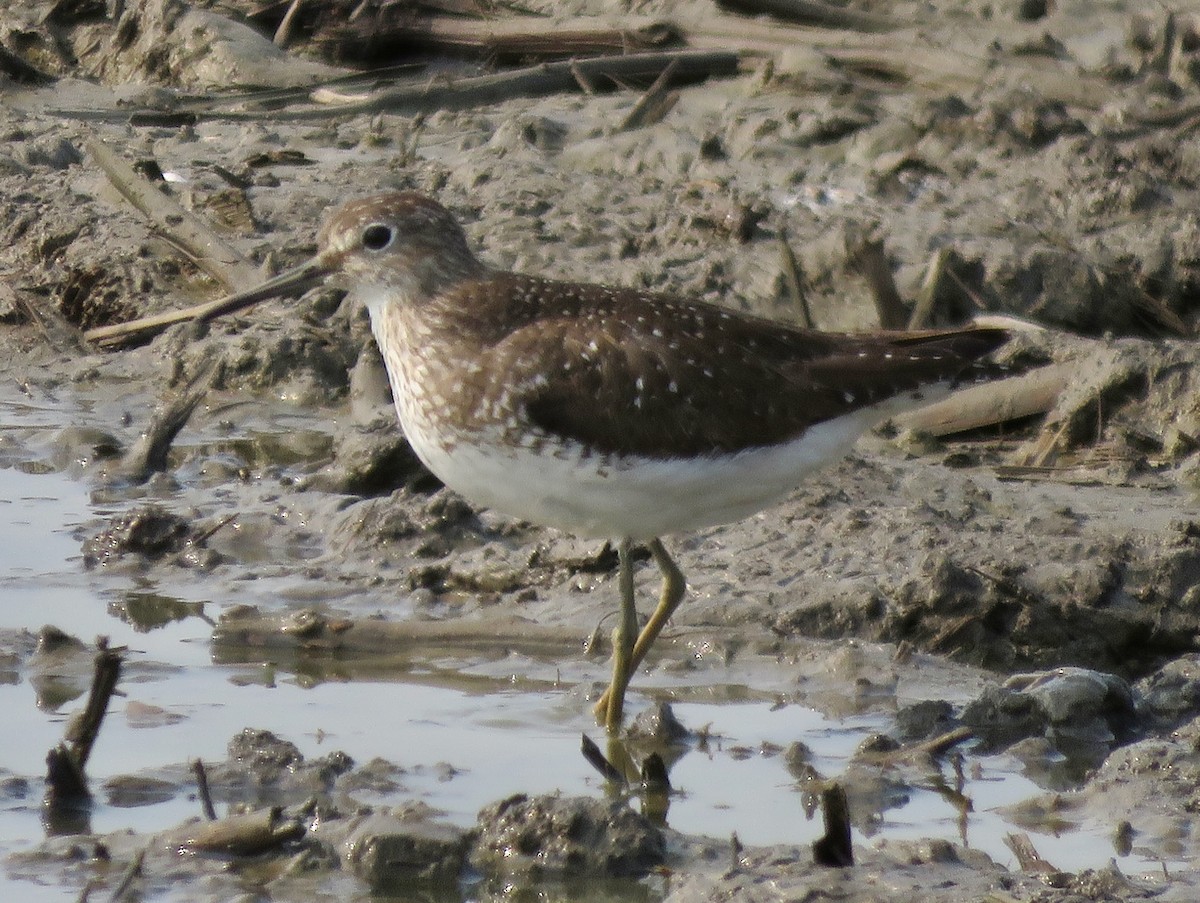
<point x="557" y="837"/>
<point x="149" y="534"/>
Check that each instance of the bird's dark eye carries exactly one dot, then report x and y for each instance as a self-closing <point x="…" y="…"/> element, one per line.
<point x="377" y="236"/>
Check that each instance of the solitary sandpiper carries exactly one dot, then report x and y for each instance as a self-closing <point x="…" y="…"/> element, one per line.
<point x="606" y="412"/>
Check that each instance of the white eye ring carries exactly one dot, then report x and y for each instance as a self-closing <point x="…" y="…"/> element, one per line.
<point x="378" y="236"/>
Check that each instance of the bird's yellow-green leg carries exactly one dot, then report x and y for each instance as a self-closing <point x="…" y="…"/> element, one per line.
<point x="673" y="587"/>
<point x="623" y="642"/>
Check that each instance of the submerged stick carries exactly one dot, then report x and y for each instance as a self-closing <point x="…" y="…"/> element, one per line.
<point x="597" y="759"/>
<point x="313" y="630"/>
<point x="149" y="454"/>
<point x="932" y="747"/>
<point x="1027" y="855"/>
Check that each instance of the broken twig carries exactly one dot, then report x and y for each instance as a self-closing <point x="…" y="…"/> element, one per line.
<point x="835" y="848"/>
<point x="206" y="802"/>
<point x="656" y="103"/>
<point x="66" y="764"/>
<point x="865" y="254"/>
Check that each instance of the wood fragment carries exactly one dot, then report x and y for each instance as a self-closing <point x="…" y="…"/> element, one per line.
<point x="506" y="39"/>
<point x="1076" y="476"/>
<point x="906" y="56"/>
<point x="990" y="404"/>
<point x="793" y="278"/>
<point x="653" y="105"/>
<point x="134" y="871"/>
<point x="66" y="777"/>
<point x="246" y="834"/>
<point x="929" y="748"/>
<point x="931" y="289"/>
<point x="188" y="232"/>
<point x="248" y="628"/>
<point x="283" y="34"/>
<point x="835" y="849"/>
<point x="1049" y="445"/>
<point x="532" y="81"/>
<point x="206" y="802"/>
<point x="1161" y="315"/>
<point x="815" y="13"/>
<point x="597" y="759"/>
<point x="148" y="455"/>
<point x="586" y="85"/>
<point x="1027" y="855"/>
<point x="865" y="254"/>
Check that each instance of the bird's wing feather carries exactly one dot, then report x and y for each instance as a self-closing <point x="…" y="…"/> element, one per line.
<point x="634" y="373"/>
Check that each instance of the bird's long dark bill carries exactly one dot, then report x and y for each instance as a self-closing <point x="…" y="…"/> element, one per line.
<point x="291" y="282"/>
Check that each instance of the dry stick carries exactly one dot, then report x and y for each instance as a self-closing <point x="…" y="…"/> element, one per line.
<point x="794" y="282"/>
<point x="652" y="106"/>
<point x="931" y="285"/>
<point x="585" y="84"/>
<point x="187" y="231"/>
<point x="532" y="81"/>
<point x="283" y="34"/>
<point x="1161" y="314"/>
<point x="865" y="254"/>
<point x="817" y="13"/>
<point x="906" y="56"/>
<point x="997" y="402"/>
<point x="515" y="36"/>
<point x="468" y="93"/>
<point x="66" y="763"/>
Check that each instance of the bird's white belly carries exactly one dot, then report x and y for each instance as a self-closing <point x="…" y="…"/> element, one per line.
<point x="640" y="498"/>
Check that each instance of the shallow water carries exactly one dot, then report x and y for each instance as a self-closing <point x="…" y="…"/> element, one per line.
<point x="523" y="738"/>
